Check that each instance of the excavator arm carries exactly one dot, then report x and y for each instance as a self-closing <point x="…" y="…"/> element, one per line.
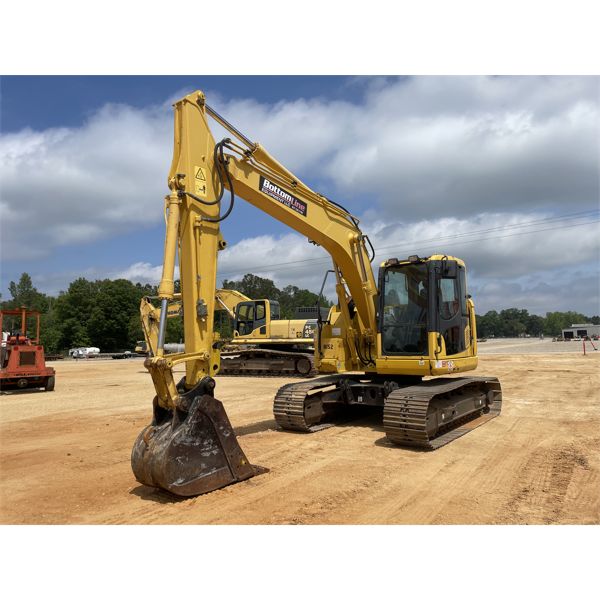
<point x="225" y="300"/>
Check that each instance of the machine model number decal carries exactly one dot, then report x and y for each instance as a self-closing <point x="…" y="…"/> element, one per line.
<point x="275" y="192"/>
<point x="445" y="364"/>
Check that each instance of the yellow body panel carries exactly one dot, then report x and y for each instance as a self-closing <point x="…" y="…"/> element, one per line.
<point x="277" y="331"/>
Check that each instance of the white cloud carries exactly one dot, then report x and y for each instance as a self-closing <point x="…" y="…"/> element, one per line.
<point x="443" y="145"/>
<point x="287" y="252"/>
<point x="71" y="186"/>
<point x="507" y="265"/>
<point x="495" y="245"/>
<point x="142" y="272"/>
<point x="417" y="147"/>
<point x="562" y="290"/>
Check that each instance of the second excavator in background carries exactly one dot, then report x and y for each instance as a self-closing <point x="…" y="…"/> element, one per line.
<point x="261" y="343"/>
<point x="379" y="346"/>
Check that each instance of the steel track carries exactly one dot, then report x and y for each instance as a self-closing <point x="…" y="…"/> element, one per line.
<point x="243" y="363"/>
<point x="291" y="403"/>
<point x="406" y="411"/>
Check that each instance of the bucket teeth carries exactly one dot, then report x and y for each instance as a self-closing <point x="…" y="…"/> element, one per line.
<point x="190" y="453"/>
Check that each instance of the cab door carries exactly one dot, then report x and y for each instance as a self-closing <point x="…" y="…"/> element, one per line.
<point x="452" y="313"/>
<point x="403" y="309"/>
<point x="251" y="318"/>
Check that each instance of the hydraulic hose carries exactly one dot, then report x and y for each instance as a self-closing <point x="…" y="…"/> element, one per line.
<point x="221" y="163"/>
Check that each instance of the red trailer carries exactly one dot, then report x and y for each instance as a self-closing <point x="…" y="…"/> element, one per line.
<point x="21" y="357"/>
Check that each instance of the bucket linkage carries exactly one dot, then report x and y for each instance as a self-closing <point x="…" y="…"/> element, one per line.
<point x="192" y="449"/>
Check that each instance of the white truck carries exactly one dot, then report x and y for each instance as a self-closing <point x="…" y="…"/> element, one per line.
<point x="84" y="352"/>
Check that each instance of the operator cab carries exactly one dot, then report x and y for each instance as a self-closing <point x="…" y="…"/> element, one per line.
<point x="252" y="315"/>
<point x="419" y="296"/>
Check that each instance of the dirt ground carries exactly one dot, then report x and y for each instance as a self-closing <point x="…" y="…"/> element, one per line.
<point x="65" y="455"/>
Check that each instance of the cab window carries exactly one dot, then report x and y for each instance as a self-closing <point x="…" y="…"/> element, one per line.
<point x="275" y="312"/>
<point x="448" y="298"/>
<point x="246" y="312"/>
<point x="404" y="310"/>
<point x="260" y="311"/>
<point x="245" y="318"/>
<point x="452" y="310"/>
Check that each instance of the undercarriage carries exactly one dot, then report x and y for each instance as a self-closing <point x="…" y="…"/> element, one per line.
<point x="267" y="362"/>
<point x="423" y="414"/>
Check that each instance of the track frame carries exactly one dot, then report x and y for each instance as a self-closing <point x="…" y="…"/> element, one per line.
<point x="424" y="414"/>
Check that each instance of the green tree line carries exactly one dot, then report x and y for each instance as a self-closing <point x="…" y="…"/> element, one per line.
<point x="289" y="298"/>
<point x="105" y="313"/>
<point x="514" y="322"/>
<point x="102" y="313"/>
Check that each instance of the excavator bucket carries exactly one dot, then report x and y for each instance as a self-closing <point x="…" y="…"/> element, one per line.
<point x="190" y="452"/>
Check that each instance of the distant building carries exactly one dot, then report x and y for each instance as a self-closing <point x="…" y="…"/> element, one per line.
<point x="581" y="330"/>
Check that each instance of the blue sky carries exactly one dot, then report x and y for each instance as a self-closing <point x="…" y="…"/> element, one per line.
<point x="68" y="100"/>
<point x="42" y="103"/>
<point x="502" y="171"/>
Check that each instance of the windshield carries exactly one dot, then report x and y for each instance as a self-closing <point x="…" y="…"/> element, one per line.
<point x="404" y="310"/>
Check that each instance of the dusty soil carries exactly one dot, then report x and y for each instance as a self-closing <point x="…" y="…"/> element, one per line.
<point x="65" y="455"/>
<point x="536" y="346"/>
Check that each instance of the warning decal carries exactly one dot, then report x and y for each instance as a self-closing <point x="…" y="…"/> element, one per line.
<point x="200" y="181"/>
<point x="275" y="192"/>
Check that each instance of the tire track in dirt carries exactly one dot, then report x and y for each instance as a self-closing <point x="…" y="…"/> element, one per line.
<point x="542" y="483"/>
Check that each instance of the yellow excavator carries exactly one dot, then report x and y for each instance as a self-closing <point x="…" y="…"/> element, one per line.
<point x="261" y="344"/>
<point x="379" y="346"/>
